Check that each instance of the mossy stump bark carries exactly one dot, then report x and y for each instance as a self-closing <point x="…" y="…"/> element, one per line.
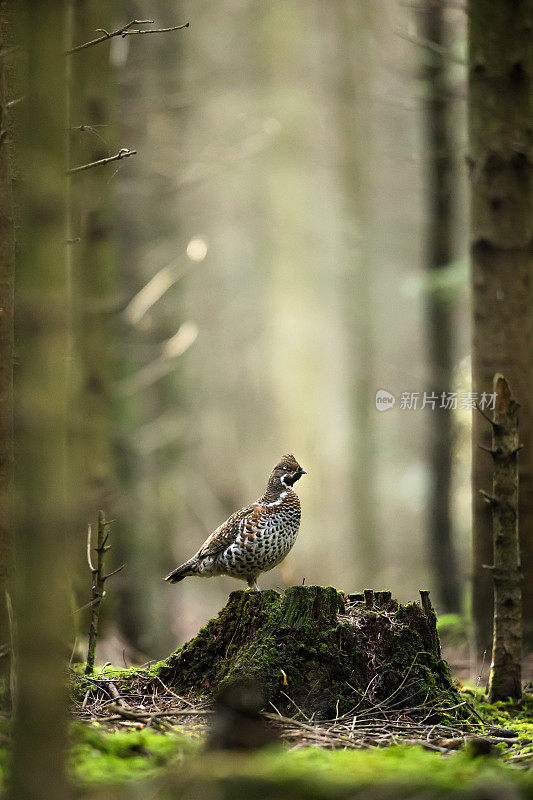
<point x="320" y="651"/>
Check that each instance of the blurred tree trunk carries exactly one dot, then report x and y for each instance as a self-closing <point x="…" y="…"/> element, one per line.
<point x="133" y="519"/>
<point x="7" y="263"/>
<point x="439" y="241"/>
<point x="92" y="254"/>
<point x="500" y="126"/>
<point x="41" y="608"/>
<point x="353" y="54"/>
<point x="148" y="240"/>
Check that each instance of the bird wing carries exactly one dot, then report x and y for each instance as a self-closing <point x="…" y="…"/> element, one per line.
<point x="245" y="521"/>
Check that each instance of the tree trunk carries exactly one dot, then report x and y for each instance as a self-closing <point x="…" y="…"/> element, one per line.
<point x="7" y="263"/>
<point x="506" y="668"/>
<point x="351" y="91"/>
<point x="150" y="76"/>
<point x="132" y="609"/>
<point x="500" y="67"/>
<point x="439" y="177"/>
<point x="92" y="257"/>
<point x="42" y="541"/>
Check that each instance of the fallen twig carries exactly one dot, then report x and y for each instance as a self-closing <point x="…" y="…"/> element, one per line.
<point x="137" y="714"/>
<point x="144" y="700"/>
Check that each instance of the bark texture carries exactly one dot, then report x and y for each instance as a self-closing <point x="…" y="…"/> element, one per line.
<point x="505" y="674"/>
<point x="501" y="147"/>
<point x="41" y="606"/>
<point x="7" y="262"/>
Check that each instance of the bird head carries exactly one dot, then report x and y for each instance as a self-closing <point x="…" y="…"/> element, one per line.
<point x="287" y="471"/>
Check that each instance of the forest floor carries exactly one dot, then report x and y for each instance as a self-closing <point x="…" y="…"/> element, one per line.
<point x="132" y="735"/>
<point x="115" y="702"/>
<point x="160" y="740"/>
<point x="136" y="739"/>
<point x="135" y="732"/>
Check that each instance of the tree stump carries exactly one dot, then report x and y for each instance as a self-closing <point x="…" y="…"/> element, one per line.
<point x="320" y="651"/>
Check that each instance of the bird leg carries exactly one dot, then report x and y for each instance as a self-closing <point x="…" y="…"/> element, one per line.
<point x="252" y="584"/>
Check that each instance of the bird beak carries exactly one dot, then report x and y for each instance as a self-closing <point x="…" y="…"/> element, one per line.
<point x="302" y="471"/>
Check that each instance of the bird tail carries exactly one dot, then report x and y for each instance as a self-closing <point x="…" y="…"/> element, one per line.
<point x="182" y="572"/>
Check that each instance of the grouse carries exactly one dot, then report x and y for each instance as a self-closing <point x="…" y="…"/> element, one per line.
<point x="254" y="539"/>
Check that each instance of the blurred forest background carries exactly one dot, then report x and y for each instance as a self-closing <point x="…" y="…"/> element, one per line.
<point x="279" y="231"/>
<point x="253" y="276"/>
<point x="224" y="242"/>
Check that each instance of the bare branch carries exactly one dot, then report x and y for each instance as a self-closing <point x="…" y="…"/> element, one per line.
<point x="123" y="153"/>
<point x="163" y="364"/>
<point x="156" y="287"/>
<point x="485" y="416"/>
<point x="87" y="127"/>
<point x="114" y="572"/>
<point x="158" y="30"/>
<point x="124" y="31"/>
<point x="488" y="498"/>
<point x="91" y="129"/>
<point x="114" y="693"/>
<point x="427" y="6"/>
<point x="98" y="583"/>
<point x="433" y="46"/>
<point x="86" y="605"/>
<point x="15" y="102"/>
<point x="89" y="561"/>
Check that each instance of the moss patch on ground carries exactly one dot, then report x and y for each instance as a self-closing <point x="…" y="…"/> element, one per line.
<point x="516" y="717"/>
<point x="395" y="772"/>
<point x="79" y="683"/>
<point x="99" y="756"/>
<point x="184" y="770"/>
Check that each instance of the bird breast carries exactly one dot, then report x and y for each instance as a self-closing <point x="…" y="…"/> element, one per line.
<point x="267" y="542"/>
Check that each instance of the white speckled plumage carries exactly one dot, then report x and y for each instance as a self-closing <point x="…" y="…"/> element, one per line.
<point x="256" y="538"/>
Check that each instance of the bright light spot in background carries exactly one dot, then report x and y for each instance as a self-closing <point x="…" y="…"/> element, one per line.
<point x="181" y="341"/>
<point x="197" y="249"/>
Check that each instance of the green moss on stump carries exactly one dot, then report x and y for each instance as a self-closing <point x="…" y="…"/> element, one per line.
<point x="319" y="650"/>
